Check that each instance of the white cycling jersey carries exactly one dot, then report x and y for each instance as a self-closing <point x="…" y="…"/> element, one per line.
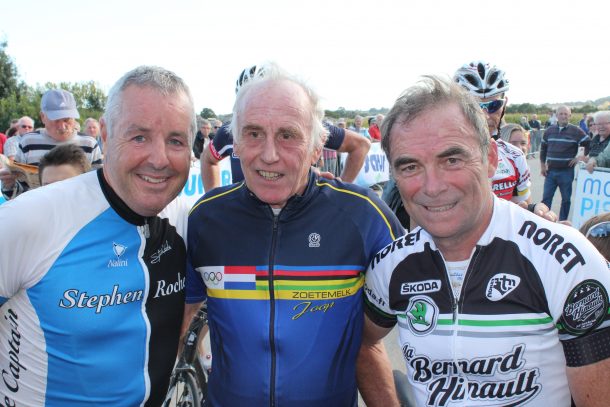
<point x="531" y="286"/>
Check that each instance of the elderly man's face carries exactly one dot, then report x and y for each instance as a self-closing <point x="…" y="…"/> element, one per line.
<point x="92" y="129"/>
<point x="60" y="129"/>
<point x="274" y="144"/>
<point x="563" y="116"/>
<point x="602" y="126"/>
<point x="25" y="126"/>
<point x="442" y="175"/>
<point x="358" y="121"/>
<point x="147" y="156"/>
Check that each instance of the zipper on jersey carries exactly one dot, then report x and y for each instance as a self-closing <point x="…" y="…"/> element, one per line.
<point x="272" y="311"/>
<point x="145" y="229"/>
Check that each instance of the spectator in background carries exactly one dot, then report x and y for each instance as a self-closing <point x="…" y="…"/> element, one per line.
<point x="342" y="123"/>
<point x="357" y="127"/>
<point x="602" y="138"/>
<point x="92" y="129"/>
<point x="59" y="114"/>
<point x="374" y="130"/>
<point x="602" y="154"/>
<point x="524" y="123"/>
<point x="202" y="137"/>
<point x="24" y="125"/>
<point x="12" y="125"/>
<point x="558" y="152"/>
<point x="216" y="127"/>
<point x="62" y="162"/>
<point x="535" y="135"/>
<point x="583" y="123"/>
<point x="516" y="135"/>
<point x="591" y="126"/>
<point x="551" y="121"/>
<point x="597" y="230"/>
<point x="3" y="139"/>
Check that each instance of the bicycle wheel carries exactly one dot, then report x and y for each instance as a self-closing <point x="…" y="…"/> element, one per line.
<point x="183" y="391"/>
<point x="202" y="383"/>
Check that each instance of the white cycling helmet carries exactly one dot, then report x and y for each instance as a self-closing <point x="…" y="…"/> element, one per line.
<point x="481" y="79"/>
<point x="247" y="74"/>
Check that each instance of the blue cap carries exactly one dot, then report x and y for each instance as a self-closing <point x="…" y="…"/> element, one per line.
<point x="59" y="104"/>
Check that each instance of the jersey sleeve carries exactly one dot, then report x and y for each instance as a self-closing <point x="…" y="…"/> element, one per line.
<point x="578" y="297"/>
<point x="336" y="135"/>
<point x="222" y="143"/>
<point x="376" y="293"/>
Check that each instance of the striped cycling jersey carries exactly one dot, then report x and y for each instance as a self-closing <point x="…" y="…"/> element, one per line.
<point x="285" y="292"/>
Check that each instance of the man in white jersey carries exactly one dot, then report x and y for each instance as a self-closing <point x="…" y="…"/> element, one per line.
<point x="495" y="306"/>
<point x="488" y="84"/>
<point x="92" y="277"/>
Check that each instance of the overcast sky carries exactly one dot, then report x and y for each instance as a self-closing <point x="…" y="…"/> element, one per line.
<point x="356" y="54"/>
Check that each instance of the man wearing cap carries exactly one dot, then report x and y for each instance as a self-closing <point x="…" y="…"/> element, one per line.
<point x="59" y="114"/>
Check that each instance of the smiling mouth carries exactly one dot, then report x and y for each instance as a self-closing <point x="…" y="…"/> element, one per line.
<point x="270" y="176"/>
<point x="443" y="208"/>
<point x="153" y="180"/>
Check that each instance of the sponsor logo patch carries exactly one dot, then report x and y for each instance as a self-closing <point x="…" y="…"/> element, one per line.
<point x="501" y="285"/>
<point x="585" y="308"/>
<point x="420" y="287"/>
<point x="422" y="315"/>
<point x="314" y="240"/>
<point x="118" y="250"/>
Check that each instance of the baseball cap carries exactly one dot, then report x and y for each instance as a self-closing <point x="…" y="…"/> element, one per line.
<point x="59" y="104"/>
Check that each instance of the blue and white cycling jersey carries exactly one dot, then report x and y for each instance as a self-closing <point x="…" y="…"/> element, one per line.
<point x="86" y="296"/>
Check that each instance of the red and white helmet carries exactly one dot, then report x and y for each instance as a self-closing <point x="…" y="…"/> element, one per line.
<point x="482" y="79"/>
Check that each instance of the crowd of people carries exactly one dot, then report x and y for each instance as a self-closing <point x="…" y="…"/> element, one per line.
<point x="496" y="299"/>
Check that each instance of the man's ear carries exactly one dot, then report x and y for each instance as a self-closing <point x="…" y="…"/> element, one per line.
<point x="492" y="158"/>
<point x="103" y="130"/>
<point x="317" y="153"/>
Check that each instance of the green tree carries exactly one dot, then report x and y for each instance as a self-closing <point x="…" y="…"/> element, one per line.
<point x="206" y="113"/>
<point x="8" y="73"/>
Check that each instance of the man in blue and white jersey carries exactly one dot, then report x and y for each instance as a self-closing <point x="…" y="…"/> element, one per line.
<point x="92" y="269"/>
<point x="495" y="306"/>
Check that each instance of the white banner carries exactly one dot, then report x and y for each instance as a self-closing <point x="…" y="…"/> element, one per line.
<point x="592" y="195"/>
<point x="375" y="169"/>
<point x="193" y="189"/>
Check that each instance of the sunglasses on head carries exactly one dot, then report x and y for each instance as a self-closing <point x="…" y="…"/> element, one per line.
<point x="493" y="106"/>
<point x="601" y="229"/>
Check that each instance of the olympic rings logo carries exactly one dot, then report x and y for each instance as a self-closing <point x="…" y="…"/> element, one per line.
<point x="213" y="277"/>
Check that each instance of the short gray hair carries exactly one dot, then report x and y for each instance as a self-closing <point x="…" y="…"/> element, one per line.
<point x="602" y="114"/>
<point x="164" y="81"/>
<point x="274" y="74"/>
<point x="428" y="93"/>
